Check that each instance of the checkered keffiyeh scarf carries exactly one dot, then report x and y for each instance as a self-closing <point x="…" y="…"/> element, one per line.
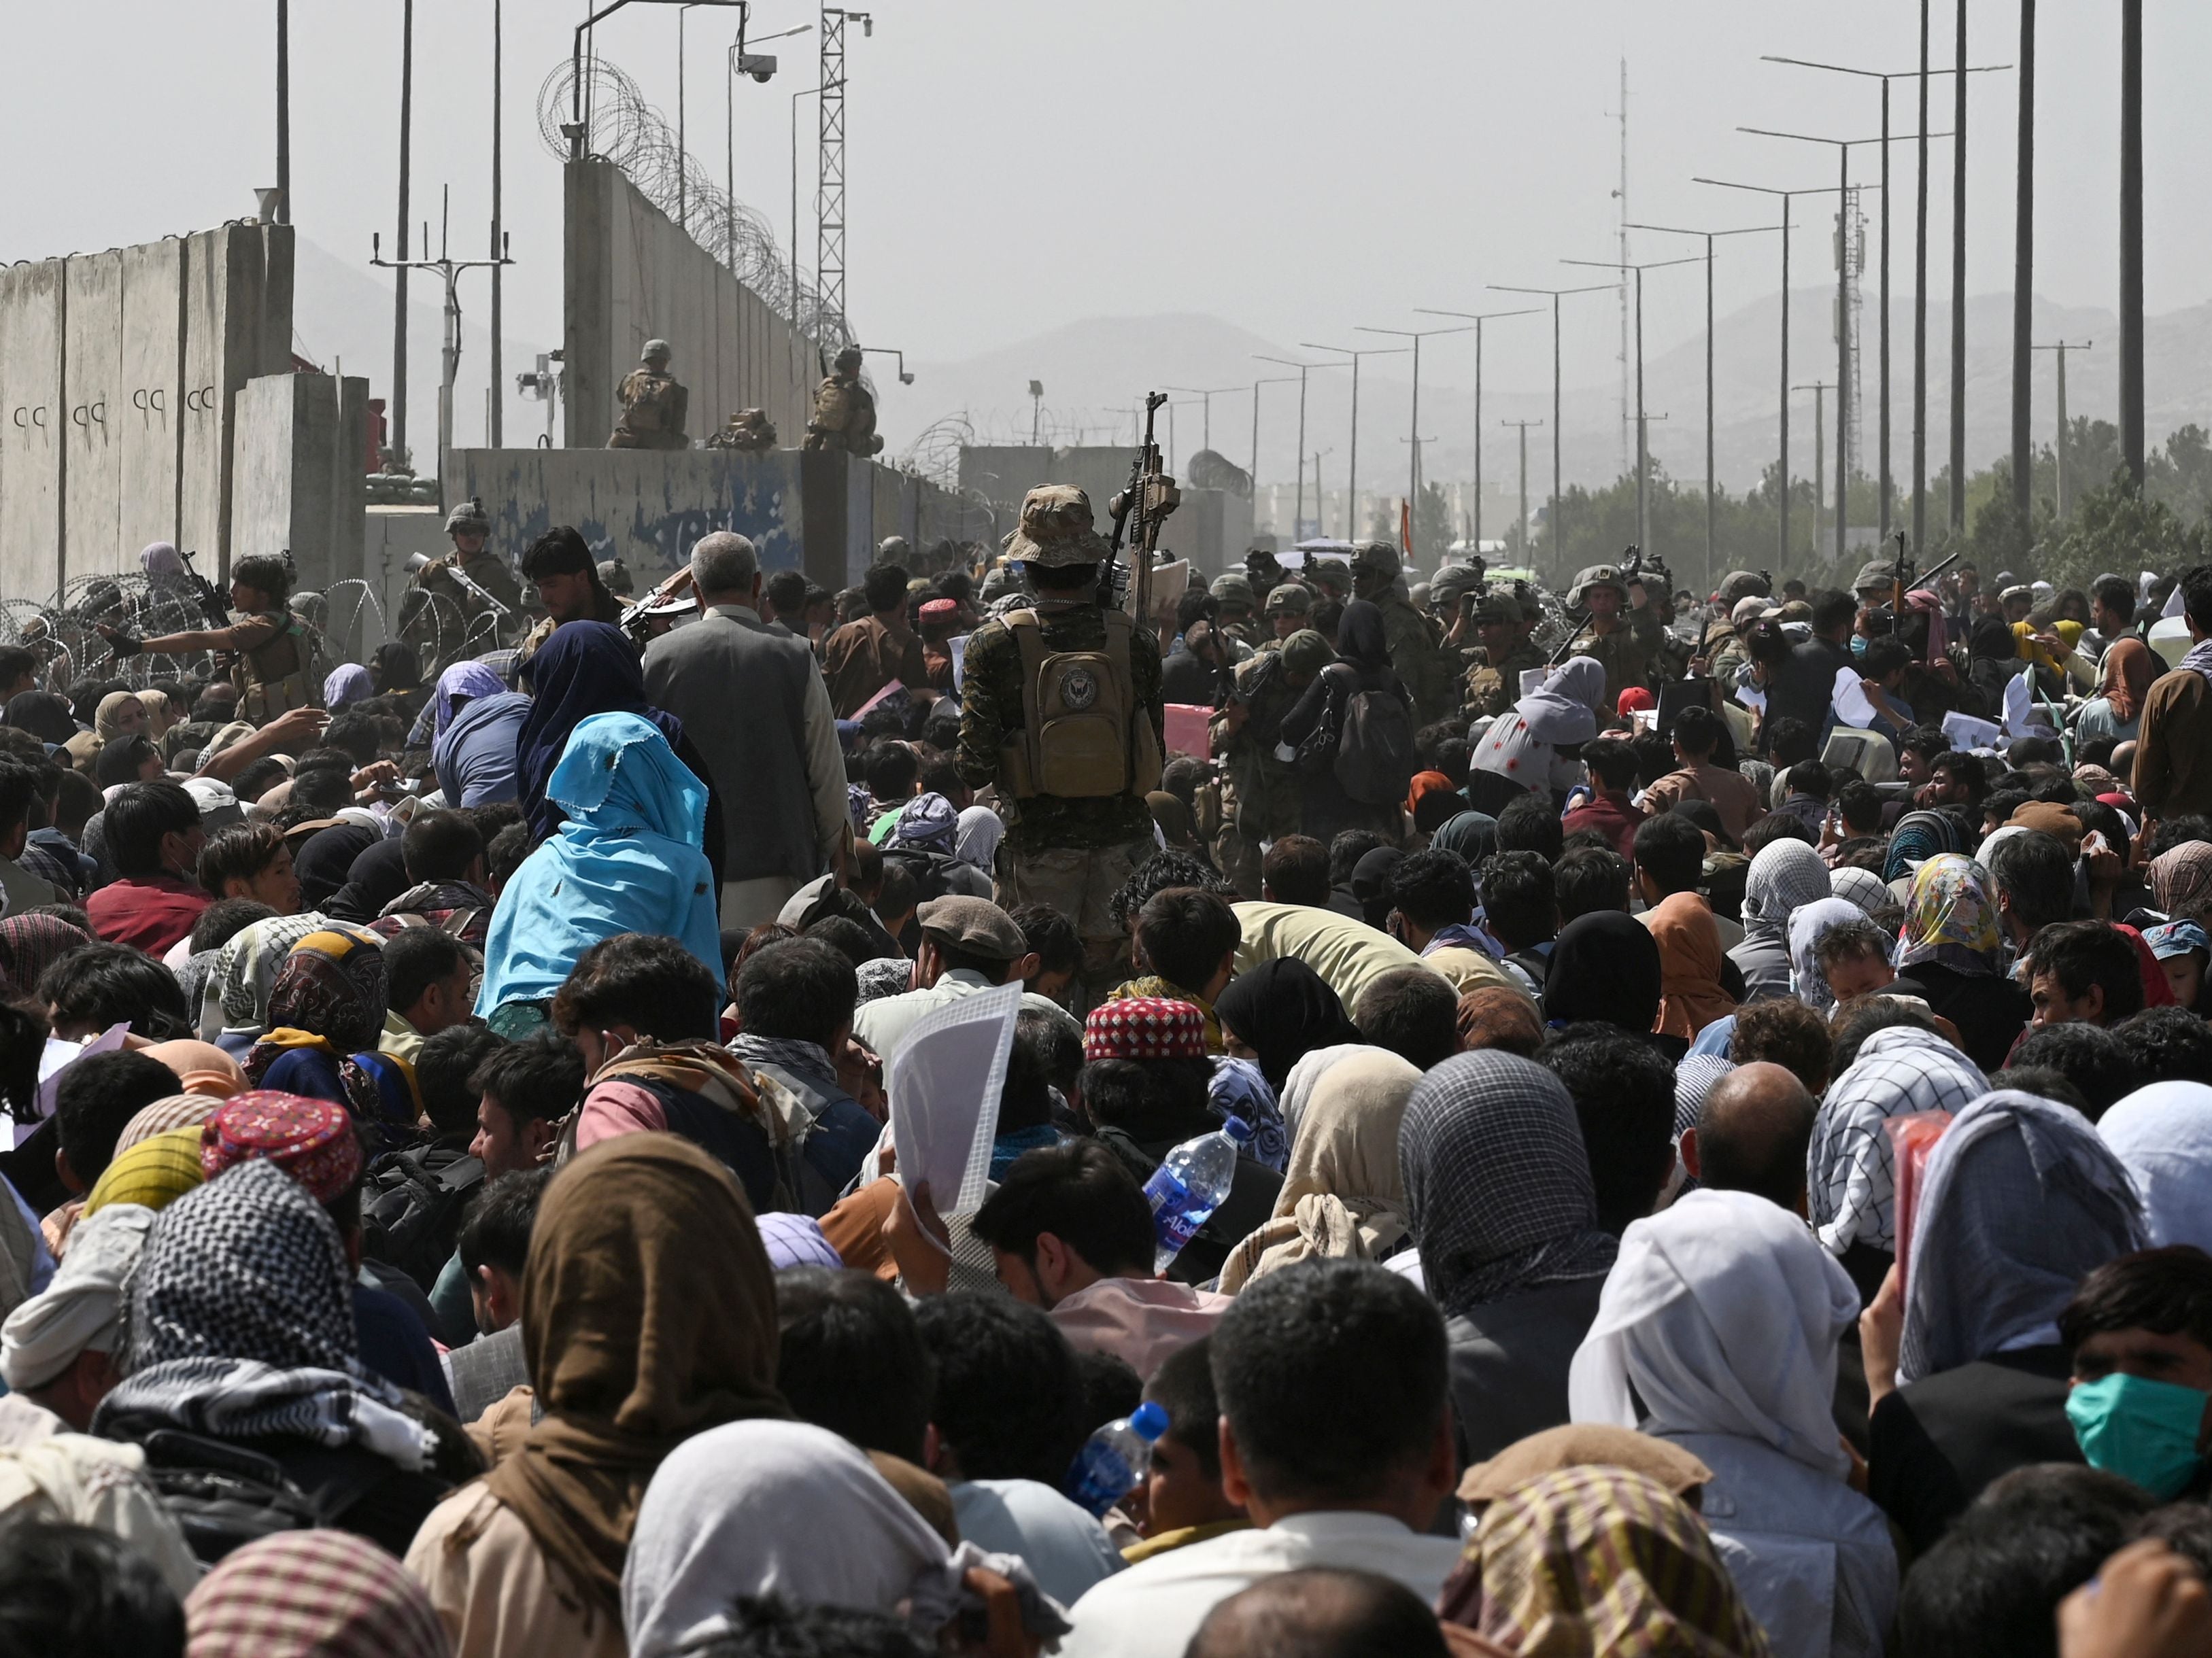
<point x="805" y="1059"/>
<point x="240" y="1324"/>
<point x="1144" y="1028"/>
<point x="324" y="1592"/>
<point x="1497" y="1185"/>
<point x="1850" y="1171"/>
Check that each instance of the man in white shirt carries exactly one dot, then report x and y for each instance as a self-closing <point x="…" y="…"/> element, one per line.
<point x="968" y="945"/>
<point x="1336" y="1435"/>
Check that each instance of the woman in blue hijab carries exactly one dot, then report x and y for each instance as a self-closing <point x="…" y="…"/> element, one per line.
<point x="626" y="859"/>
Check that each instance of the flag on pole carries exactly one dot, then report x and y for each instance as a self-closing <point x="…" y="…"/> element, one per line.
<point x="1406" y="528"/>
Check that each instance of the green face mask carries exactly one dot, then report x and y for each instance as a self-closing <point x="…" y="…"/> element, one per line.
<point x="2143" y="1430"/>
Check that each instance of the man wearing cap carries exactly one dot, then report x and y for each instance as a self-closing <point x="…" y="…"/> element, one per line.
<point x="781" y="754"/>
<point x="1506" y="653"/>
<point x="1416" y="649"/>
<point x="1607" y="640"/>
<point x="940" y="620"/>
<point x="844" y="417"/>
<point x="1061" y="711"/>
<point x="653" y="404"/>
<point x="968" y="945"/>
<point x="1260" y="803"/>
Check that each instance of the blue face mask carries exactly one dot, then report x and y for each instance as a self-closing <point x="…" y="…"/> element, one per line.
<point x="1858" y="645"/>
<point x="2143" y="1430"/>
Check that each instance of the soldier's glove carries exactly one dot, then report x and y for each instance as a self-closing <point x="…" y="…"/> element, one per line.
<point x="122" y="644"/>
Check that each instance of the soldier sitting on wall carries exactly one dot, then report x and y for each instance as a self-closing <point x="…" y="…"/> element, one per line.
<point x="844" y="415"/>
<point x="653" y="404"/>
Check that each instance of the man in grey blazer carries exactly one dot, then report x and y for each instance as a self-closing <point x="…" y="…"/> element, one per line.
<point x="752" y="700"/>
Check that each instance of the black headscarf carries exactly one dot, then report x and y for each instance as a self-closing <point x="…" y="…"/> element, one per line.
<point x="322" y="863"/>
<point x="1605" y="966"/>
<point x="1282" y="1011"/>
<point x="1360" y="639"/>
<point x="1370" y="878"/>
<point x="43" y="714"/>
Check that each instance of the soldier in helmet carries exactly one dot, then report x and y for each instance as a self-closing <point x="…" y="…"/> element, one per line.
<point x="749" y="432"/>
<point x="451" y="597"/>
<point x="1259" y="796"/>
<point x="614" y="577"/>
<point x="1449" y="605"/>
<point x="844" y="415"/>
<point x="1506" y="653"/>
<point x="1651" y="618"/>
<point x="1601" y="591"/>
<point x="1416" y="648"/>
<point x="653" y="404"/>
<point x="1331" y="578"/>
<point x="1232" y="591"/>
<point x="1289" y="608"/>
<point x="1062" y="713"/>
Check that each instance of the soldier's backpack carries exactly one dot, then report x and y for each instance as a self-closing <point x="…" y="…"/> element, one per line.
<point x="1374" y="763"/>
<point x="1084" y="737"/>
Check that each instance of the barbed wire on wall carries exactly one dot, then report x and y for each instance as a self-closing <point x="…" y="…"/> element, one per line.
<point x="634" y="136"/>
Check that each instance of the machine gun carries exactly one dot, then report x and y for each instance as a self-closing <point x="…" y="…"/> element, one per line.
<point x="1149" y="496"/>
<point x="636" y="615"/>
<point x="1903" y="580"/>
<point x="418" y="563"/>
<point x="1631" y="568"/>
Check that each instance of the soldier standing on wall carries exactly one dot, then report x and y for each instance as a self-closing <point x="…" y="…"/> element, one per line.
<point x="1062" y="711"/>
<point x="1416" y="650"/>
<point x="269" y="643"/>
<point x="844" y="415"/>
<point x="653" y="404"/>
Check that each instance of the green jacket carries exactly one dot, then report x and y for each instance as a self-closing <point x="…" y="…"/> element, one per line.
<point x="1418" y="654"/>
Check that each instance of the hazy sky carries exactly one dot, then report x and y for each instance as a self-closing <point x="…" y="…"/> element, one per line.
<point x="1294" y="168"/>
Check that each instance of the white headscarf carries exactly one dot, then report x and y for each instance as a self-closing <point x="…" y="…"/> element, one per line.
<point x="1859" y="886"/>
<point x="1724" y="1314"/>
<point x="1851" y="1175"/>
<point x="761" y="1506"/>
<point x="976" y="839"/>
<point x="1783" y="877"/>
<point x="2163" y="1135"/>
<point x="1305" y="1076"/>
<point x="1807" y="928"/>
<point x="82" y="1309"/>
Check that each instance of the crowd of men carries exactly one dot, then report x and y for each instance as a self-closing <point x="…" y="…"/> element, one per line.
<point x="1720" y="1089"/>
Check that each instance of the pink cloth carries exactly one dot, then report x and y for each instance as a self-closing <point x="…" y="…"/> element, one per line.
<point x="619" y="1107"/>
<point x="1139" y="1320"/>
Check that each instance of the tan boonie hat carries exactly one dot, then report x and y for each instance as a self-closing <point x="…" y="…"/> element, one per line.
<point x="1056" y="529"/>
<point x="975" y="926"/>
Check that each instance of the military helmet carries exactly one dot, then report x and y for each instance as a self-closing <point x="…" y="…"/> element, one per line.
<point x="659" y="348"/>
<point x="1307" y="651"/>
<point x="1377" y="558"/>
<point x="1234" y="587"/>
<point x="1289" y="599"/>
<point x="1329" y="573"/>
<point x="894" y="549"/>
<point x="468" y="519"/>
<point x="1875" y="573"/>
<point x="849" y="357"/>
<point x="1740" y="584"/>
<point x="614" y="576"/>
<point x="1493" y="609"/>
<point x="1056" y="529"/>
<point x="1598" y="575"/>
<point x="1454" y="581"/>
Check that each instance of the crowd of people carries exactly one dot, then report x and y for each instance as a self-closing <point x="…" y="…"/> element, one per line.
<point x="1721" y="1096"/>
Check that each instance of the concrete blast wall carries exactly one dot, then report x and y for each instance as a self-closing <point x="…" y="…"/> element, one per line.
<point x="120" y="374"/>
<point x="297" y="479"/>
<point x="631" y="275"/>
<point x="1212" y="527"/>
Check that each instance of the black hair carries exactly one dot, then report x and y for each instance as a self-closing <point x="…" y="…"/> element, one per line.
<point x="800" y="990"/>
<point x="1295" y="870"/>
<point x="539" y="1078"/>
<point x="1851" y="941"/>
<point x="1348" y="846"/>
<point x="495" y="1231"/>
<point x="1926" y="741"/>
<point x="2043" y="1081"/>
<point x="1861" y="804"/>
<point x="1413" y="1011"/>
<point x="2197" y="595"/>
<point x="562" y="550"/>
<point x="1671" y="850"/>
<point x="1788" y="741"/>
<point x="1832" y="609"/>
<point x="1967" y="770"/>
<point x="1855" y="1021"/>
<point x="2035" y="873"/>
<point x="1589" y="880"/>
<point x="1332" y="1376"/>
<point x="357" y="734"/>
<point x="1760" y="1151"/>
<point x="2173" y="832"/>
<point x="899" y="894"/>
<point x="238" y="853"/>
<point x="446" y="1071"/>
<point x="506" y="853"/>
<point x="847" y="938"/>
<point x="14" y="662"/>
<point x="224" y="921"/>
<point x="1315" y="1610"/>
<point x="1186" y="934"/>
<point x="135" y="820"/>
<point x="852" y="1359"/>
<point x="2114" y="592"/>
<point x="1810" y="777"/>
<point x="2080" y="954"/>
<point x="97" y="1097"/>
<point x="885" y="587"/>
<point x="440" y="845"/>
<point x="1529" y="824"/>
<point x="122" y="761"/>
<point x="766" y="1626"/>
<point x="1163" y="869"/>
<point x="891" y="769"/>
<point x="2168" y="1045"/>
<point x="1053" y="1044"/>
<point x="415" y="958"/>
<point x="1624" y="1095"/>
<point x="1990" y="1589"/>
<point x="1775" y="826"/>
<point x="651" y="983"/>
<point x="1184" y="1388"/>
<point x="787" y="592"/>
<point x="1611" y="761"/>
<point x="266" y="575"/>
<point x="1698" y="730"/>
<point x="1654" y="756"/>
<point x="2166" y="1291"/>
<point x="1008" y="1403"/>
<point x="1079" y="1191"/>
<point x="1432" y="889"/>
<point x="83" y="1591"/>
<point x="1108" y="1387"/>
<point x="1785" y="1032"/>
<point x="2094" y="1060"/>
<point x="941" y="729"/>
<point x="100" y="985"/>
<point x="1518" y="900"/>
<point x="1884" y="656"/>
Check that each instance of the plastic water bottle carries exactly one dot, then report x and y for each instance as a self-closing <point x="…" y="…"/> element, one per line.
<point x="1191" y="1183"/>
<point x="1114" y="1461"/>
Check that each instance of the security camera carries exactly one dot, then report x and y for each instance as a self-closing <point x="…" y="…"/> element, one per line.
<point x="759" y="65"/>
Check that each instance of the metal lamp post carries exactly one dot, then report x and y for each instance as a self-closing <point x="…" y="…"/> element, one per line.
<point x="1555" y="295"/>
<point x="1642" y="449"/>
<point x="1478" y="319"/>
<point x="1298" y="513"/>
<point x="1352" y="486"/>
<point x="1416" y="335"/>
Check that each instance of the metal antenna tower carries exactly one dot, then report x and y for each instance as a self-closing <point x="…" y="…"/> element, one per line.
<point x="1850" y="261"/>
<point x="1620" y="196"/>
<point x="829" y="185"/>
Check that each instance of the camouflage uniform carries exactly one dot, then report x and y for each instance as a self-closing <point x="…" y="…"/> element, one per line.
<point x="653" y="404"/>
<point x="1416" y="650"/>
<point x="1233" y="592"/>
<point x="439" y="615"/>
<point x="750" y="432"/>
<point x="1616" y="649"/>
<point x="1493" y="688"/>
<point x="1072" y="854"/>
<point x="1260" y="793"/>
<point x="844" y="415"/>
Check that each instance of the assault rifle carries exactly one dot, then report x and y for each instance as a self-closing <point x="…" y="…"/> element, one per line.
<point x="1149" y="496"/>
<point x="634" y="616"/>
<point x="211" y="602"/>
<point x="1630" y="569"/>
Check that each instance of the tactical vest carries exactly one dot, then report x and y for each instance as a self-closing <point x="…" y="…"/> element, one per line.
<point x="1084" y="736"/>
<point x="273" y="678"/>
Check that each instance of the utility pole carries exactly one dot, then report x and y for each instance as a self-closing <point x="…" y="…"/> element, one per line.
<point x="283" y="112"/>
<point x="1620" y="195"/>
<point x="830" y="178"/>
<point x="2060" y="348"/>
<point x="1920" y="313"/>
<point x="496" y="435"/>
<point x="1523" y="425"/>
<point x="1417" y="336"/>
<point x="1959" y="285"/>
<point x="1642" y="451"/>
<point x="2132" y="240"/>
<point x="1298" y="515"/>
<point x="398" y="427"/>
<point x="1555" y="295"/>
<point x="450" y="269"/>
<point x="2023" y="270"/>
<point x="1036" y="389"/>
<point x="1352" y="489"/>
<point x="1819" y="452"/>
<point x="1478" y="319"/>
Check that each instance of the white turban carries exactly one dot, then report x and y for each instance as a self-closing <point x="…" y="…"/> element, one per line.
<point x="82" y="1309"/>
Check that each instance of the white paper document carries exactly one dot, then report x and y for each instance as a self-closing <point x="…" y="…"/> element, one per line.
<point x="944" y="1084"/>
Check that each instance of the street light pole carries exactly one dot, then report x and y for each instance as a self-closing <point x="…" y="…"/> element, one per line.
<point x="1298" y="513"/>
<point x="1278" y="380"/>
<point x="2023" y="271"/>
<point x="1351" y="484"/>
<point x="1478" y="319"/>
<point x="2131" y="240"/>
<point x="1558" y="526"/>
<point x="1819" y="452"/>
<point x="2058" y="450"/>
<point x="1523" y="425"/>
<point x="1643" y="452"/>
<point x="1414" y="475"/>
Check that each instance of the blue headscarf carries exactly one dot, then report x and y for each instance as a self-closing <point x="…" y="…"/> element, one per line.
<point x="474" y="756"/>
<point x="628" y="859"/>
<point x="584" y="668"/>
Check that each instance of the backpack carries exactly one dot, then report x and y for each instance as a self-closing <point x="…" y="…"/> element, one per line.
<point x="223" y="1496"/>
<point x="1374" y="763"/>
<point x="927" y="868"/>
<point x="411" y="1204"/>
<point x="1084" y="736"/>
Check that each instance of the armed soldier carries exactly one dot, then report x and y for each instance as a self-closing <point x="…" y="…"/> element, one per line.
<point x="749" y="432"/>
<point x="1260" y="793"/>
<point x="1061" y="711"/>
<point x="1289" y="609"/>
<point x="1651" y="619"/>
<point x="1450" y="606"/>
<point x="1608" y="638"/>
<point x="844" y="415"/>
<point x="1506" y="653"/>
<point x="1415" y="650"/>
<point x="473" y="582"/>
<point x="653" y="404"/>
<point x="1232" y="591"/>
<point x="269" y="646"/>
